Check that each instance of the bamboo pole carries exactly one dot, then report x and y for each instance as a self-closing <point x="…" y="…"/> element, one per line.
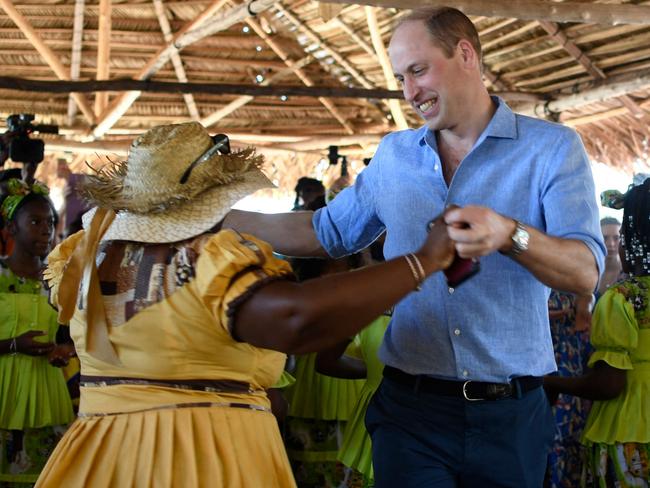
<point x="391" y="83"/>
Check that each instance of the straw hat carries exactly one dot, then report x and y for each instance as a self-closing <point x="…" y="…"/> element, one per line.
<point x="154" y="196"/>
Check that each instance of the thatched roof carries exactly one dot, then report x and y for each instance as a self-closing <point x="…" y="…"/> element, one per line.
<point x="583" y="63"/>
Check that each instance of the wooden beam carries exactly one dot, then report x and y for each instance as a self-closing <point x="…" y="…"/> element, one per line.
<point x="584" y="13"/>
<point x="75" y="58"/>
<point x="357" y="38"/>
<point x="176" y="58"/>
<point x="204" y="25"/>
<point x="300" y="73"/>
<point x="103" y="52"/>
<point x="554" y="30"/>
<point x="48" y="55"/>
<point x="129" y="85"/>
<point x="356" y="74"/>
<point x="239" y="102"/>
<point x="613" y="87"/>
<point x="391" y="83"/>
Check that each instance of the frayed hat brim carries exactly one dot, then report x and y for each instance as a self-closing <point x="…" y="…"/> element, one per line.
<point x="184" y="221"/>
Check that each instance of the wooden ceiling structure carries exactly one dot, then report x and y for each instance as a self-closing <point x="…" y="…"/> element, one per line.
<point x="299" y="75"/>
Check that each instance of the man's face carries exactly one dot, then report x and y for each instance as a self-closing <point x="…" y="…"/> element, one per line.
<point x="611" y="237"/>
<point x="431" y="82"/>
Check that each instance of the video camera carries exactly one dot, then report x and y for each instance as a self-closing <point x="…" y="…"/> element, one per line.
<point x="18" y="145"/>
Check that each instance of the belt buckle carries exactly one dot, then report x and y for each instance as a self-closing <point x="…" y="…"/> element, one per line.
<point x="468" y="398"/>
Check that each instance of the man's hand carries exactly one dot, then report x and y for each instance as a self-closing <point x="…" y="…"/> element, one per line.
<point x="479" y="231"/>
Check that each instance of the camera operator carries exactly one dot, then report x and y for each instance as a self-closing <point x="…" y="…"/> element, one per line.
<point x="17" y="145"/>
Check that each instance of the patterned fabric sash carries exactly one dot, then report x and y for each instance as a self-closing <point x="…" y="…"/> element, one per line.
<point x="211" y="386"/>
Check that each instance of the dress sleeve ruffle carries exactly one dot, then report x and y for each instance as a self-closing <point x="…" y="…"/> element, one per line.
<point x="231" y="267"/>
<point x="57" y="261"/>
<point x="614" y="332"/>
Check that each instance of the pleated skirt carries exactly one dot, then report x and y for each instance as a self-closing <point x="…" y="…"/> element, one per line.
<point x="176" y="447"/>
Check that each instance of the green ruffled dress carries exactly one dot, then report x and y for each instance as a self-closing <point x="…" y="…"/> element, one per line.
<point x="319" y="407"/>
<point x="356" y="447"/>
<point x="618" y="430"/>
<point x="35" y="405"/>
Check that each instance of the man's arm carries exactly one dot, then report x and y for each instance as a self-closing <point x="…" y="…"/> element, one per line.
<point x="562" y="264"/>
<point x="291" y="234"/>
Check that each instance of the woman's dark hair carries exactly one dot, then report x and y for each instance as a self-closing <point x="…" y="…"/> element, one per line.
<point x="635" y="229"/>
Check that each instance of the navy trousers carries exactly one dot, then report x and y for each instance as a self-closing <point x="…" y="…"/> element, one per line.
<point x="425" y="440"/>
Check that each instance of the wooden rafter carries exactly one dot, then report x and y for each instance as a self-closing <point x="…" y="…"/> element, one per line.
<point x="48" y="55"/>
<point x="324" y="45"/>
<point x="204" y="25"/>
<point x="239" y="102"/>
<point x="591" y="13"/>
<point x="391" y="83"/>
<point x="103" y="52"/>
<point x="75" y="58"/>
<point x="613" y="87"/>
<point x="128" y="85"/>
<point x="356" y="38"/>
<point x="555" y="31"/>
<point x="300" y="73"/>
<point x="175" y="57"/>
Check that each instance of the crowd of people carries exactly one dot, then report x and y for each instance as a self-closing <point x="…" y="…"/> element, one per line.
<point x="237" y="349"/>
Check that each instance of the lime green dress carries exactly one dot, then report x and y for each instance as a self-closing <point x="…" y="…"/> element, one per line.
<point x="35" y="405"/>
<point x="618" y="430"/>
<point x="319" y="407"/>
<point x="356" y="447"/>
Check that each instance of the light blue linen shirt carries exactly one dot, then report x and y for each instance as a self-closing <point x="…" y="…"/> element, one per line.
<point x="494" y="326"/>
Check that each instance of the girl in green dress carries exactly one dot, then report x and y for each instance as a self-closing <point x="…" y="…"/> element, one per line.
<point x="617" y="433"/>
<point x="35" y="406"/>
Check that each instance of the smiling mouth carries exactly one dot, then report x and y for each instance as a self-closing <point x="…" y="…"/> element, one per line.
<point x="424" y="106"/>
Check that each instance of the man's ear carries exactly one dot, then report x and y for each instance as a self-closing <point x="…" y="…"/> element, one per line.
<point x="467" y="53"/>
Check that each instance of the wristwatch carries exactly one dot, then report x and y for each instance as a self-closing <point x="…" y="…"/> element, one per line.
<point x="520" y="239"/>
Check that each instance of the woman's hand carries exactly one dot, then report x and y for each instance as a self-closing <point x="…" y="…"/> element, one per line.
<point x="26" y="344"/>
<point x="438" y="251"/>
<point x="61" y="354"/>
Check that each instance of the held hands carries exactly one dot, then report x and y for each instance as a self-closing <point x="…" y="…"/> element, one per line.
<point x="61" y="354"/>
<point x="438" y="250"/>
<point x="26" y="344"/>
<point x="478" y="231"/>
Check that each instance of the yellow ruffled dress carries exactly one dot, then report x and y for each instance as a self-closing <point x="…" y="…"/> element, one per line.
<point x="159" y="433"/>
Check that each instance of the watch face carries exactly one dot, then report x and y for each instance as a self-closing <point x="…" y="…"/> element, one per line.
<point x="520" y="238"/>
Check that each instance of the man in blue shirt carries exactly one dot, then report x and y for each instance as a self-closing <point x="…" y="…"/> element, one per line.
<point x="461" y="403"/>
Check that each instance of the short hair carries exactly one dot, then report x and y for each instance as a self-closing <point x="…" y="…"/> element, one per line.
<point x="447" y="26"/>
<point x="609" y="221"/>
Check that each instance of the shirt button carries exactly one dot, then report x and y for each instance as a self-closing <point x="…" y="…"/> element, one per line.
<point x="457" y="332"/>
<point x="435" y="168"/>
<point x="450" y="290"/>
<point x="465" y="373"/>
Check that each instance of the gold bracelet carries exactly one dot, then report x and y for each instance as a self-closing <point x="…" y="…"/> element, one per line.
<point x="423" y="275"/>
<point x="414" y="272"/>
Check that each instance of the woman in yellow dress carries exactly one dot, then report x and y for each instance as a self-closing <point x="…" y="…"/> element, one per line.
<point x="180" y="328"/>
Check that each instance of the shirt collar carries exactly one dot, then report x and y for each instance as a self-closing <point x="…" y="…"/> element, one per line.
<point x="503" y="125"/>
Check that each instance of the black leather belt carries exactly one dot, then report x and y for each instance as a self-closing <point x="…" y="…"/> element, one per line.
<point x="470" y="390"/>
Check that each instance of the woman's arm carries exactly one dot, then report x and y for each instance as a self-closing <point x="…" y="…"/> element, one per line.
<point x="298" y="318"/>
<point x="334" y="362"/>
<point x="603" y="382"/>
